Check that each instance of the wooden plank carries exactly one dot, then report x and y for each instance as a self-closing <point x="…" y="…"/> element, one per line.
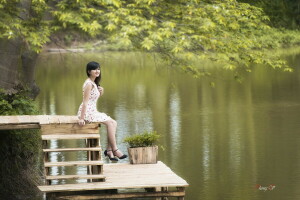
<point x="20" y="126"/>
<point x="123" y="195"/>
<point x="57" y="119"/>
<point x="72" y="163"/>
<point x="41" y="119"/>
<point x="146" y="177"/>
<point x="66" y="119"/>
<point x="53" y="119"/>
<point x="84" y="176"/>
<point x="13" y="119"/>
<point x="73" y="149"/>
<point x="33" y="118"/>
<point x="16" y="119"/>
<point x="33" y="121"/>
<point x="137" y="173"/>
<point x="21" y="118"/>
<point x="70" y="136"/>
<point x="75" y="128"/>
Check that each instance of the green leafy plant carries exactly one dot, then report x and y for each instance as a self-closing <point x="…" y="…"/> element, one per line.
<point x="146" y="139"/>
<point x="16" y="101"/>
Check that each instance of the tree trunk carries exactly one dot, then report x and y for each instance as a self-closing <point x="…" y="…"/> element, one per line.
<point x="10" y="51"/>
<point x="29" y="59"/>
<point x="17" y="61"/>
<point x="17" y="67"/>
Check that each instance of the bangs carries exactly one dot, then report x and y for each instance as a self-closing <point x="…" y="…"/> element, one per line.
<point x="92" y="66"/>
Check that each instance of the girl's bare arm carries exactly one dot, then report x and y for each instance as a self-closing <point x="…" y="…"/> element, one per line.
<point x="86" y="96"/>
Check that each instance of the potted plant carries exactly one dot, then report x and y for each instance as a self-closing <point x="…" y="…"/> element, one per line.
<point x="142" y="147"/>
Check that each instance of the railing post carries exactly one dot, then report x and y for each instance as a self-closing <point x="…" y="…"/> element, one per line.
<point x="181" y="189"/>
<point x="46" y="159"/>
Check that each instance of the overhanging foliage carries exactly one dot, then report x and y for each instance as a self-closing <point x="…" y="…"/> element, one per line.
<point x="182" y="31"/>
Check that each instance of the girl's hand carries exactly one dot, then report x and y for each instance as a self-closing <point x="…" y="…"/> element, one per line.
<point x="81" y="122"/>
<point x="101" y="90"/>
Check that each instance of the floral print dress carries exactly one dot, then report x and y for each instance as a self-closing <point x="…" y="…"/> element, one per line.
<point x="92" y="114"/>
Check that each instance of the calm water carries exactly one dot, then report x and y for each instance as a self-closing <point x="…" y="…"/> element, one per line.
<point x="223" y="140"/>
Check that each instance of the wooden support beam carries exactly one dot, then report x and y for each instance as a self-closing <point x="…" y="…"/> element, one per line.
<point x="20" y="126"/>
<point x="92" y="156"/>
<point x="181" y="189"/>
<point x="164" y="189"/>
<point x="72" y="163"/>
<point x="46" y="159"/>
<point x="72" y="149"/>
<point x="62" y="129"/>
<point x="70" y="136"/>
<point x="121" y="195"/>
<point x="60" y="177"/>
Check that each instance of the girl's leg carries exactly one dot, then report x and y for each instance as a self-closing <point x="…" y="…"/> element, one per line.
<point x="111" y="126"/>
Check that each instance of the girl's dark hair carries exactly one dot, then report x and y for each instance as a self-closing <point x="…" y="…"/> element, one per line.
<point x="92" y="66"/>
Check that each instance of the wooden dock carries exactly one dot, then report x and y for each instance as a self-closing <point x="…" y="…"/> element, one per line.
<point x="158" y="177"/>
<point x="151" y="180"/>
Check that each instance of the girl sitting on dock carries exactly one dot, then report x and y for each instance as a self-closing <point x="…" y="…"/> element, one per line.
<point x="88" y="110"/>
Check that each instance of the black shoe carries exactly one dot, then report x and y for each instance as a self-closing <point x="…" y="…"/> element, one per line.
<point x="110" y="158"/>
<point x="121" y="157"/>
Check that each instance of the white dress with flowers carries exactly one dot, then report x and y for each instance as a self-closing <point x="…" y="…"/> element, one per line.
<point x="92" y="114"/>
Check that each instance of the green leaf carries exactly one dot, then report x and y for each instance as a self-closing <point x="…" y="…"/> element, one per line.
<point x="111" y="27"/>
<point x="147" y="43"/>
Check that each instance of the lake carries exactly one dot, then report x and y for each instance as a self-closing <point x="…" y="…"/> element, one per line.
<point x="231" y="141"/>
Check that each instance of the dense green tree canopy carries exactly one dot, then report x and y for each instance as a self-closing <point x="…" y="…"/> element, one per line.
<point x="182" y="31"/>
<point x="283" y="13"/>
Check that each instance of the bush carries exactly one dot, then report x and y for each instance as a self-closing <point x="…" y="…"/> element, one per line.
<point x="275" y="39"/>
<point x="145" y="139"/>
<point x="20" y="150"/>
<point x="16" y="101"/>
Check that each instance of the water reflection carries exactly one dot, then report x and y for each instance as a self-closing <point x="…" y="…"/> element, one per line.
<point x="222" y="140"/>
<point x="175" y="125"/>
